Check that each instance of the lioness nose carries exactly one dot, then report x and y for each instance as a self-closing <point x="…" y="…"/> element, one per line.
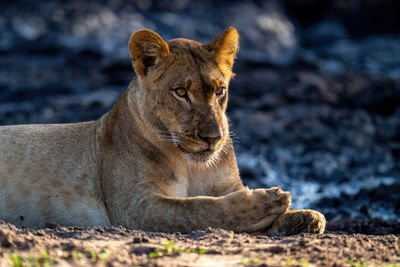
<point x="211" y="139"/>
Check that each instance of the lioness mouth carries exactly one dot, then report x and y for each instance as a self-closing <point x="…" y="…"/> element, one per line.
<point x="198" y="155"/>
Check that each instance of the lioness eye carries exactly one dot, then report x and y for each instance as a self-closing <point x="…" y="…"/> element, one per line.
<point x="181" y="92"/>
<point x="219" y="91"/>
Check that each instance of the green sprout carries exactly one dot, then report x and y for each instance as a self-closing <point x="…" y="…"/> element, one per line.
<point x="246" y="261"/>
<point x="32" y="261"/>
<point x="292" y="261"/>
<point x="170" y="250"/>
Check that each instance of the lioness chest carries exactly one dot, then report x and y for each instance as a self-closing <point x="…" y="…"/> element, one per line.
<point x="52" y="173"/>
<point x="49" y="173"/>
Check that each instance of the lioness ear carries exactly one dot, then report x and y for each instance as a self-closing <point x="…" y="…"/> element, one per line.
<point x="146" y="48"/>
<point x="223" y="48"/>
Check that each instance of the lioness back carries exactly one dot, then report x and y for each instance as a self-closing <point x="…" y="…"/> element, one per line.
<point x="47" y="174"/>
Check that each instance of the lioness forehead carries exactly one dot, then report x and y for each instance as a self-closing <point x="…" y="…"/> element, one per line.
<point x="197" y="60"/>
<point x="182" y="46"/>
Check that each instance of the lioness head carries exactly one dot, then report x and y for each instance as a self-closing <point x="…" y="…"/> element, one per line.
<point x="185" y="89"/>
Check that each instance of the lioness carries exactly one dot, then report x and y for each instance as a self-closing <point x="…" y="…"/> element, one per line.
<point x="160" y="160"/>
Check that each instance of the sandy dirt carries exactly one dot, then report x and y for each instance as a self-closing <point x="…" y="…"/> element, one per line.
<point x="117" y="246"/>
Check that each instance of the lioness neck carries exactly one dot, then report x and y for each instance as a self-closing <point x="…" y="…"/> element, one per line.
<point x="166" y="169"/>
<point x="127" y="126"/>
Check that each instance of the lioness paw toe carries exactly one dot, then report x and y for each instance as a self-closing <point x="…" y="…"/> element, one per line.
<point x="277" y="201"/>
<point x="284" y="199"/>
<point x="298" y="221"/>
<point x="316" y="222"/>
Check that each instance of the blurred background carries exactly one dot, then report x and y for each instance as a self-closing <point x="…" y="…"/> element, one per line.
<point x="315" y="105"/>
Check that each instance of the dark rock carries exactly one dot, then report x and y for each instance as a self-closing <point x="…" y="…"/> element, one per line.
<point x="136" y="240"/>
<point x="323" y="33"/>
<point x="364" y="226"/>
<point x="361" y="18"/>
<point x="382" y="201"/>
<point x="143" y="250"/>
<point x="51" y="225"/>
<point x="6" y="239"/>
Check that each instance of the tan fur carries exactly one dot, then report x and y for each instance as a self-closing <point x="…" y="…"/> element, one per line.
<point x="157" y="161"/>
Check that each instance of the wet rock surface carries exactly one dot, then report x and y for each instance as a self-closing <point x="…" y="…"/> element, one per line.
<point x="315" y="105"/>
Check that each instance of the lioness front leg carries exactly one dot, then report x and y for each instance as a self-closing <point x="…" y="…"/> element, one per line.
<point x="241" y="211"/>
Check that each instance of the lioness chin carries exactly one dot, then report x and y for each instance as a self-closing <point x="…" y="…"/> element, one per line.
<point x="160" y="160"/>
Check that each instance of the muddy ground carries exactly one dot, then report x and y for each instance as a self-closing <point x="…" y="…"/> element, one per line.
<point x="117" y="246"/>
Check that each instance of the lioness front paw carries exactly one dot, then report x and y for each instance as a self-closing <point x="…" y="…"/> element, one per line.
<point x="298" y="221"/>
<point x="277" y="200"/>
<point x="253" y="210"/>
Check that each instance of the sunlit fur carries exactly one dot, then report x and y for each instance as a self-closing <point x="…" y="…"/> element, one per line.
<point x="156" y="161"/>
<point x="201" y="70"/>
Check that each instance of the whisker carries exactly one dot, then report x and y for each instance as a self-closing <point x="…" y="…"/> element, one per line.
<point x="234" y="137"/>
